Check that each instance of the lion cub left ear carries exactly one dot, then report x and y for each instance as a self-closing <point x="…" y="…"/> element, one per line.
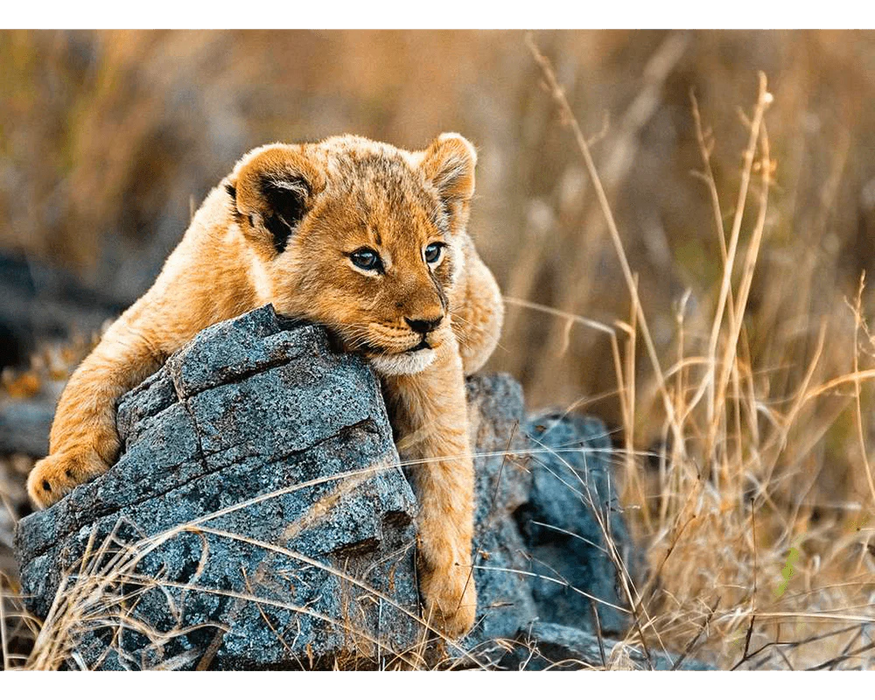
<point x="448" y="163"/>
<point x="272" y="193"/>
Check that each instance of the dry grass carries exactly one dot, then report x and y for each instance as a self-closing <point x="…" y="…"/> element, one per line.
<point x="731" y="337"/>
<point x="751" y="565"/>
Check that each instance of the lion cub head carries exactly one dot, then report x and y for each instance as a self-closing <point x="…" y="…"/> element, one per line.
<point x="360" y="236"/>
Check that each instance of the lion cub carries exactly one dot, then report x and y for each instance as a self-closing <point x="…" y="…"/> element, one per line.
<point x="364" y="238"/>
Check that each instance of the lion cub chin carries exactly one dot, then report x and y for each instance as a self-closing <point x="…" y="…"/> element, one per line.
<point x="410" y="362"/>
<point x="365" y="238"/>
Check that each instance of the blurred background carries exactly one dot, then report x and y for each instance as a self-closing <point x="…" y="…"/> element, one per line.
<point x="109" y="141"/>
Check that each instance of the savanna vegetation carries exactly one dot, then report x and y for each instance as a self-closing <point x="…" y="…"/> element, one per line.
<point x="683" y="224"/>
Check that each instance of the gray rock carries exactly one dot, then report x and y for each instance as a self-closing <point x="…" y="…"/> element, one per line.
<point x="269" y="458"/>
<point x="258" y="518"/>
<point x="572" y="526"/>
<point x="503" y="481"/>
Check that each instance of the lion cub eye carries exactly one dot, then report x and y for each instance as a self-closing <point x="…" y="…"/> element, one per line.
<point x="366" y="259"/>
<point x="433" y="253"/>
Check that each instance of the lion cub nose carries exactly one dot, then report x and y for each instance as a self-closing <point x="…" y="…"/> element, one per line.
<point x="423" y="325"/>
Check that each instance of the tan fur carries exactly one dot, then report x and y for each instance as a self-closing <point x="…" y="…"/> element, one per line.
<point x="333" y="198"/>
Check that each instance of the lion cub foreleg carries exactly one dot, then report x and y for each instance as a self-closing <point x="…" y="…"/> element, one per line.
<point x="84" y="441"/>
<point x="430" y="419"/>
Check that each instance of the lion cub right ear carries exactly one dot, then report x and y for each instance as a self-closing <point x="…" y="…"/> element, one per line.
<point x="272" y="192"/>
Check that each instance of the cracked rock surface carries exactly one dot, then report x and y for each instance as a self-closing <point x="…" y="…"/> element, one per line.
<point x="250" y="408"/>
<point x="258" y="518"/>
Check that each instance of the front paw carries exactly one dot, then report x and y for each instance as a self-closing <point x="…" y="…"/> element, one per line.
<point x="55" y="476"/>
<point x="450" y="599"/>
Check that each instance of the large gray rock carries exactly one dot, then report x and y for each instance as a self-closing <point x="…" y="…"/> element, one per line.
<point x="254" y="438"/>
<point x="258" y="518"/>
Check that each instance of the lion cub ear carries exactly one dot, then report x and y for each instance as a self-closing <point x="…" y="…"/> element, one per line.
<point x="273" y="191"/>
<point x="448" y="163"/>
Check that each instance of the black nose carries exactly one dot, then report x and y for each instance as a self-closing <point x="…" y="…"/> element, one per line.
<point x="421" y="325"/>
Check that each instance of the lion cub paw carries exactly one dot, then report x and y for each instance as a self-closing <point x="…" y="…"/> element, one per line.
<point x="55" y="476"/>
<point x="450" y="600"/>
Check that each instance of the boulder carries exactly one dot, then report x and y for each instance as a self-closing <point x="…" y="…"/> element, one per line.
<point x="258" y="519"/>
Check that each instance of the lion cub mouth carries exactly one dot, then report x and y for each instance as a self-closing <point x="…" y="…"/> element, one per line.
<point x="410" y="361"/>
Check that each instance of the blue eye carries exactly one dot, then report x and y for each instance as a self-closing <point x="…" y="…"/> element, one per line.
<point x="433" y="253"/>
<point x="366" y="259"/>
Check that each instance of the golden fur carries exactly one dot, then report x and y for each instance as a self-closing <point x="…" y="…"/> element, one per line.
<point x="365" y="238"/>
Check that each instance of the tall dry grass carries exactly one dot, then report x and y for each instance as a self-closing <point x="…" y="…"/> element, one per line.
<point x="752" y="564"/>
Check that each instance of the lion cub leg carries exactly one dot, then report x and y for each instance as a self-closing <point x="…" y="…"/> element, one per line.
<point x="84" y="441"/>
<point x="430" y="419"/>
